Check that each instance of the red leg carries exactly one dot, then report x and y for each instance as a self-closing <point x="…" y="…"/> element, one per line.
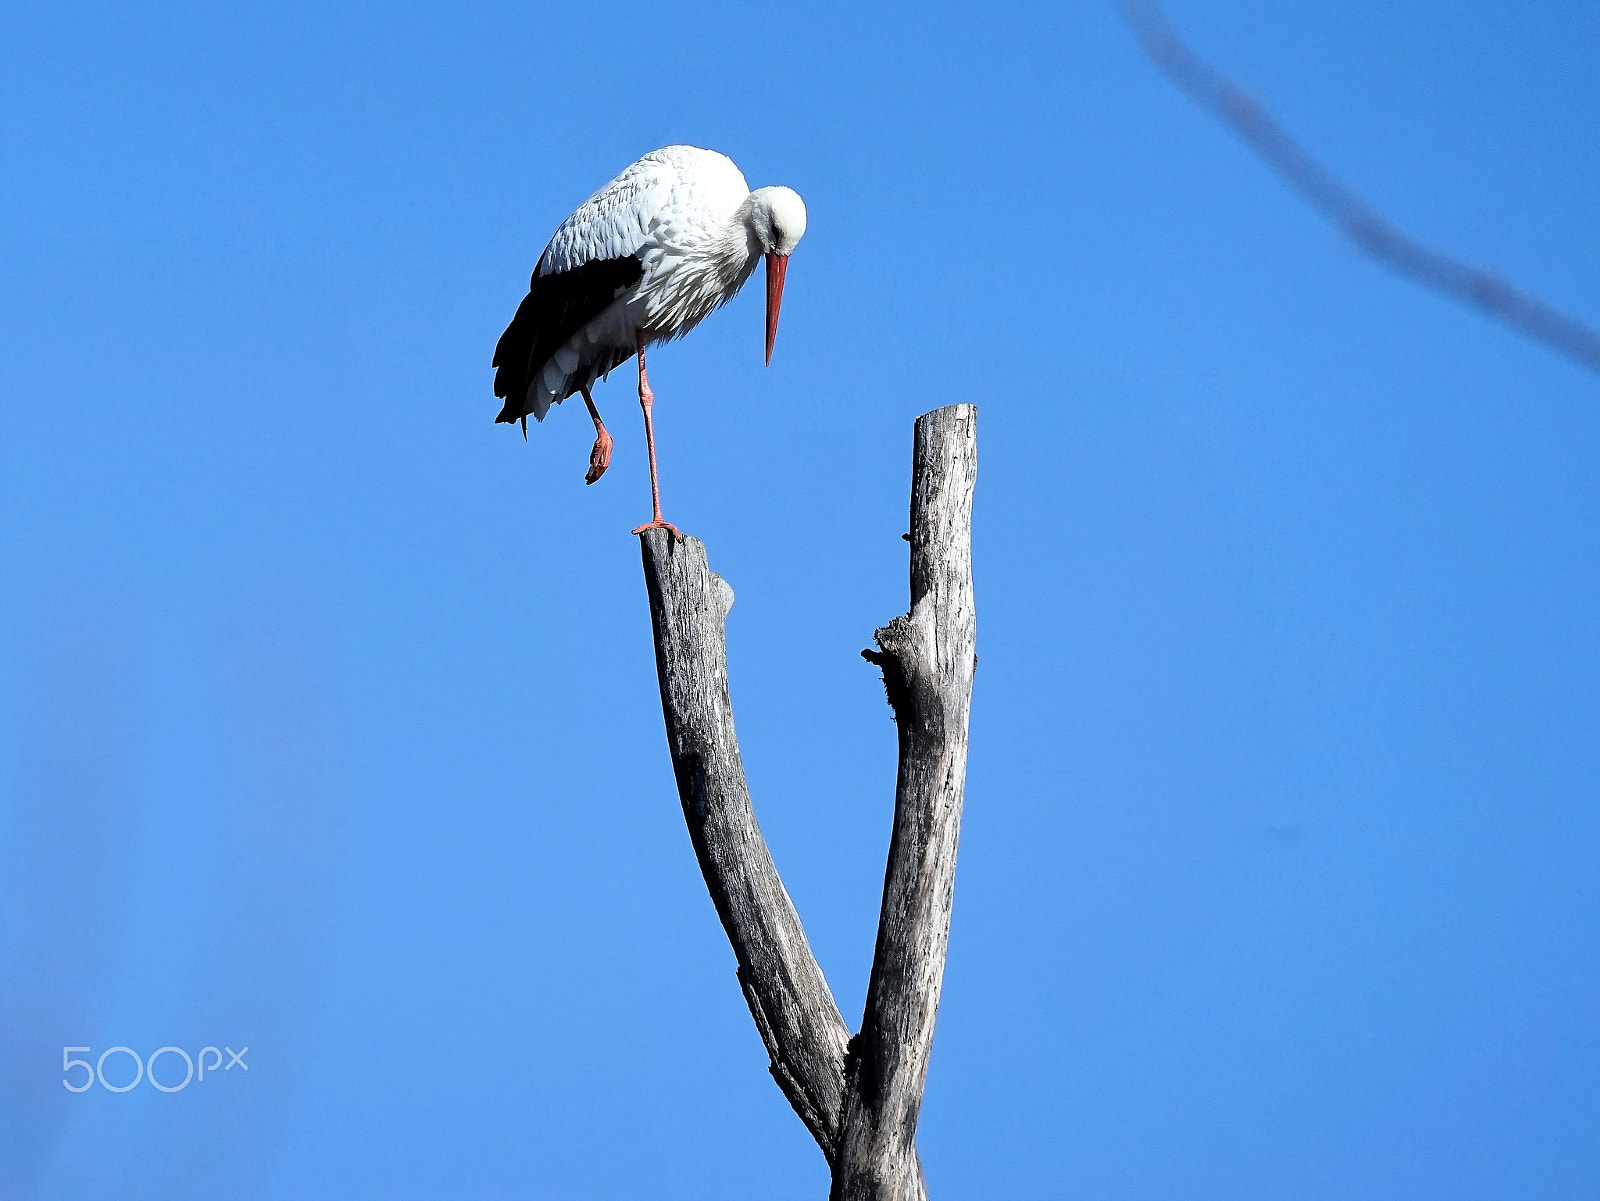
<point x="600" y="456"/>
<point x="646" y="402"/>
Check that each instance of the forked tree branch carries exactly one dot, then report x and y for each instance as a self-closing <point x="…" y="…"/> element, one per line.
<point x="866" y="1124"/>
<point x="1363" y="225"/>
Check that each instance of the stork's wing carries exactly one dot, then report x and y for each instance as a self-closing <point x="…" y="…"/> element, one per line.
<point x="614" y="222"/>
<point x="556" y="307"/>
<point x="592" y="256"/>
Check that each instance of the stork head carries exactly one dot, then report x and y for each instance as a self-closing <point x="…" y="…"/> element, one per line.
<point x="776" y="220"/>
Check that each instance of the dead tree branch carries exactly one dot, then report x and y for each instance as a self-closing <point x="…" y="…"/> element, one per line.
<point x="1368" y="229"/>
<point x="866" y="1125"/>
<point x="788" y="997"/>
<point x="928" y="658"/>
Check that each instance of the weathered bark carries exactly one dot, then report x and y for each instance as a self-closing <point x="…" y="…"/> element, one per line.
<point x="866" y="1123"/>
<point x="788" y="997"/>
<point x="928" y="659"/>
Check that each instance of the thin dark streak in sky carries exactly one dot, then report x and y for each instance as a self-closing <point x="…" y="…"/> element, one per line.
<point x="1367" y="228"/>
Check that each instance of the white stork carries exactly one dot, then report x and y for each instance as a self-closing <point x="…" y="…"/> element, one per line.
<point x="643" y="260"/>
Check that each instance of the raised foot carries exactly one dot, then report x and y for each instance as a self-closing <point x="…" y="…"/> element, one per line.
<point x="658" y="524"/>
<point x="599" y="458"/>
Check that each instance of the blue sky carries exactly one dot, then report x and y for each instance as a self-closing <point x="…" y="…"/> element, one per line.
<point x="328" y="717"/>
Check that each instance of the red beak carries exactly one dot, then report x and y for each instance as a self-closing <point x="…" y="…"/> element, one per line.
<point x="777" y="264"/>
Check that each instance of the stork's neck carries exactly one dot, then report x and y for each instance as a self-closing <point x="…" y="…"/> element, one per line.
<point x="736" y="249"/>
<point x="741" y="238"/>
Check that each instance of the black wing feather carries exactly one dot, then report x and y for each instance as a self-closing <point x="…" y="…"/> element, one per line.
<point x="556" y="307"/>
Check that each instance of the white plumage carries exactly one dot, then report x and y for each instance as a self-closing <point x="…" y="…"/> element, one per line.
<point x="643" y="260"/>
